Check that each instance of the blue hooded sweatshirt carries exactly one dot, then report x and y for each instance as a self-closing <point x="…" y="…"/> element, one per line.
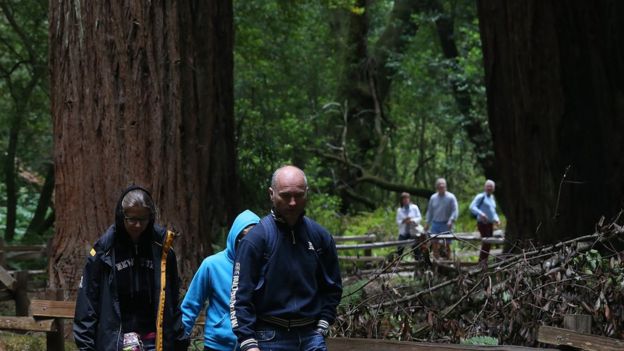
<point x="213" y="282"/>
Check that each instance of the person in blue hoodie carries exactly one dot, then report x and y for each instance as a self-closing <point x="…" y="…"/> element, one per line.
<point x="213" y="282"/>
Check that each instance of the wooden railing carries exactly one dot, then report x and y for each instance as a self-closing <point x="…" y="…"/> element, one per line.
<point x="368" y="243"/>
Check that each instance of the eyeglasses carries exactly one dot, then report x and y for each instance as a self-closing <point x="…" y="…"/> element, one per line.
<point x="136" y="220"/>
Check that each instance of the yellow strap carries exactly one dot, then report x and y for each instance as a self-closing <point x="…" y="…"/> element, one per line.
<point x="163" y="284"/>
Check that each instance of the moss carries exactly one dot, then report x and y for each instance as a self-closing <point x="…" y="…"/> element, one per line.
<point x="28" y="342"/>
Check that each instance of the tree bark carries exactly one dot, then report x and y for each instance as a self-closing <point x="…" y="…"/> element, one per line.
<point x="556" y="106"/>
<point x="141" y="93"/>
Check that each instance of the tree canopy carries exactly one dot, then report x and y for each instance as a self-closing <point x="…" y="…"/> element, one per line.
<point x="371" y="98"/>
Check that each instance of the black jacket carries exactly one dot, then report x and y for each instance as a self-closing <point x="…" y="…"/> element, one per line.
<point x="97" y="320"/>
<point x="284" y="272"/>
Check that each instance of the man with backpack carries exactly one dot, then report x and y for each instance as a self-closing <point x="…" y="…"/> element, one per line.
<point x="483" y="208"/>
<point x="286" y="283"/>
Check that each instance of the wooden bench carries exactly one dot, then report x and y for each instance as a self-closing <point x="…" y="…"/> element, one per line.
<point x="47" y="316"/>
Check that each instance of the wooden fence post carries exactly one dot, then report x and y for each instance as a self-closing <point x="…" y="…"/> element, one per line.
<point x="578" y="322"/>
<point x="55" y="341"/>
<point x="22" y="303"/>
<point x="369" y="252"/>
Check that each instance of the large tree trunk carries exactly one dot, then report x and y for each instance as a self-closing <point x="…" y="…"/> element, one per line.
<point x="554" y="78"/>
<point x="141" y="93"/>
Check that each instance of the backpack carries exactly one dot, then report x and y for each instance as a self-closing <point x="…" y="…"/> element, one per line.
<point x="476" y="216"/>
<point x="314" y="237"/>
<point x="269" y="226"/>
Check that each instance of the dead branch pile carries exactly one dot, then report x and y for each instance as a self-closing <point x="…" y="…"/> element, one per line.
<point x="508" y="301"/>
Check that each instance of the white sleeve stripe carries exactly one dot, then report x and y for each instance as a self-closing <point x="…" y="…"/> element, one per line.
<point x="248" y="342"/>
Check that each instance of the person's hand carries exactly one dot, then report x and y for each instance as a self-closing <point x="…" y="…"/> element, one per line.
<point x="449" y="224"/>
<point x="426" y="227"/>
<point x="484" y="217"/>
<point x="407" y="219"/>
<point x="497" y="224"/>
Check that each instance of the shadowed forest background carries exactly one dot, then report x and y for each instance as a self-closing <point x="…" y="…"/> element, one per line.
<point x="201" y="102"/>
<point x="362" y="96"/>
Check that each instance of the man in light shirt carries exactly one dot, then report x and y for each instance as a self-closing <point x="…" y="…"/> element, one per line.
<point x="441" y="215"/>
<point x="483" y="207"/>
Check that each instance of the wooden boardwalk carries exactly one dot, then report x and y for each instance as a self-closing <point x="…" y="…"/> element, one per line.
<point x="355" y="344"/>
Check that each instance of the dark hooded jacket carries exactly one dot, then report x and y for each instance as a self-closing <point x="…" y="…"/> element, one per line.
<point x="98" y="318"/>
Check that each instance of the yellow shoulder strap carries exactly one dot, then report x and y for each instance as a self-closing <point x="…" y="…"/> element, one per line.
<point x="167" y="243"/>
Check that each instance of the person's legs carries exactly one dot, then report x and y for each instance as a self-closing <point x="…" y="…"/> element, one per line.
<point x="446" y="252"/>
<point x="400" y="248"/>
<point x="438" y="245"/>
<point x="485" y="229"/>
<point x="422" y="249"/>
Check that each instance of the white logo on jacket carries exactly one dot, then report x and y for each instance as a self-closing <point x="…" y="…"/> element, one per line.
<point x="310" y="246"/>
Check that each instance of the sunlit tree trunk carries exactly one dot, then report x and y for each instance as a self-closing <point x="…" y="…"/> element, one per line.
<point x="141" y="93"/>
<point x="555" y="94"/>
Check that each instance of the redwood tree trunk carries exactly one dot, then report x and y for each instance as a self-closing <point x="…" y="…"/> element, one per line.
<point x="141" y="93"/>
<point x="554" y="78"/>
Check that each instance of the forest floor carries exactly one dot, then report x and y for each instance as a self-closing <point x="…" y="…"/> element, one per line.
<point x="503" y="304"/>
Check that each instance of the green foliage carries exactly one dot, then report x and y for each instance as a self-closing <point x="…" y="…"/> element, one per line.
<point x="591" y="261"/>
<point x="284" y="73"/>
<point x="288" y="69"/>
<point x="27" y="198"/>
<point x="24" y="101"/>
<point x="352" y="293"/>
<point x="15" y="342"/>
<point x="380" y="222"/>
<point x="289" y="65"/>
<point x="325" y="208"/>
<point x="23" y="56"/>
<point x="480" y="340"/>
<point x="430" y="138"/>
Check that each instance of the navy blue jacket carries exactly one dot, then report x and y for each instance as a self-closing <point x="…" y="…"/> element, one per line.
<point x="97" y="319"/>
<point x="284" y="272"/>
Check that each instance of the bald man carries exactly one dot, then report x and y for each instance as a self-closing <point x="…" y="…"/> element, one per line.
<point x="286" y="283"/>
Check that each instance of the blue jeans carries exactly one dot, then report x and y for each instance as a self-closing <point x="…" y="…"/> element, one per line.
<point x="297" y="339"/>
<point x="439" y="227"/>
